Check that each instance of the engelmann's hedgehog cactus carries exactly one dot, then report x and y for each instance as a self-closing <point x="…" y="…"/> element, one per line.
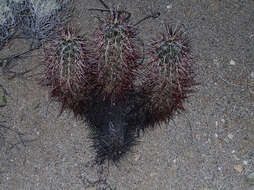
<point x="169" y="74"/>
<point x="68" y="68"/>
<point x="118" y="51"/>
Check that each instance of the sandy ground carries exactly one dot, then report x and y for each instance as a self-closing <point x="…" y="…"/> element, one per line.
<point x="209" y="147"/>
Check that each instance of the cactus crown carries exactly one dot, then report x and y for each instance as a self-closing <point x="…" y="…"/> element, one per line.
<point x="171" y="50"/>
<point x="66" y="58"/>
<point x="68" y="50"/>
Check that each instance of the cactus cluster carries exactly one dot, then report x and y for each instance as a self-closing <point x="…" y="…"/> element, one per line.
<point x="96" y="79"/>
<point x="109" y="80"/>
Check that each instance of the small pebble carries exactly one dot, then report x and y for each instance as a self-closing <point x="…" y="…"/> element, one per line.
<point x="137" y="157"/>
<point x="245" y="162"/>
<point x="153" y="174"/>
<point x="226" y="140"/>
<point x="231" y="136"/>
<point x="252" y="75"/>
<point x="250" y="179"/>
<point x="216" y="62"/>
<point x="198" y="137"/>
<point x="235" y="157"/>
<point x="216" y="135"/>
<point x="169" y="6"/>
<point x="232" y="62"/>
<point x="233" y="151"/>
<point x="238" y="168"/>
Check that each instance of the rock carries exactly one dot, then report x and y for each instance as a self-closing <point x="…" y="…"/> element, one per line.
<point x="252" y="75"/>
<point x="238" y="168"/>
<point x="153" y="174"/>
<point x="250" y="179"/>
<point x="232" y="62"/>
<point x="137" y="156"/>
<point x="245" y="162"/>
<point x="251" y="91"/>
<point x="235" y="157"/>
<point x="198" y="137"/>
<point x="226" y="140"/>
<point x="169" y="6"/>
<point x="216" y="61"/>
<point x="230" y="136"/>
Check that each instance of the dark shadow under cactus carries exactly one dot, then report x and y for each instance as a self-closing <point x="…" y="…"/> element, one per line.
<point x="114" y="126"/>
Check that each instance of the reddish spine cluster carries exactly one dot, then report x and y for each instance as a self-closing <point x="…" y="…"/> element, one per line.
<point x="68" y="68"/>
<point x="169" y="75"/>
<point x="117" y="50"/>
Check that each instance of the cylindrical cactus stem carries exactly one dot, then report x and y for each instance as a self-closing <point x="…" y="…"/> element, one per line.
<point x="68" y="68"/>
<point x="118" y="51"/>
<point x="169" y="73"/>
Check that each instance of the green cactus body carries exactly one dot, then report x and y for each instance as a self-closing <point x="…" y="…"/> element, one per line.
<point x="169" y="74"/>
<point x="118" y="53"/>
<point x="68" y="68"/>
